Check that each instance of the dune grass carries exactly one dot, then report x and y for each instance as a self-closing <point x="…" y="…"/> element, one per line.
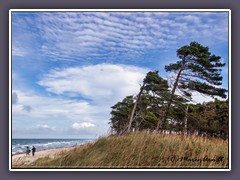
<point x="140" y="150"/>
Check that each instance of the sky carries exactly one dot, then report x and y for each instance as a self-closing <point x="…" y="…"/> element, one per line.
<point x="69" y="68"/>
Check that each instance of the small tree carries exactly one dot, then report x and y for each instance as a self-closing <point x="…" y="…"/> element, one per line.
<point x="209" y="118"/>
<point x="120" y="114"/>
<point x="197" y="70"/>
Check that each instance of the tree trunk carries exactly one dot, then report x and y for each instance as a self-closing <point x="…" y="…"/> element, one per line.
<point x="162" y="125"/>
<point x="134" y="108"/>
<point x="186" y="121"/>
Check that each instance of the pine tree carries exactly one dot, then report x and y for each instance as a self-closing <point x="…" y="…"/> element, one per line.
<point x="197" y="70"/>
<point x="153" y="84"/>
<point x="120" y="114"/>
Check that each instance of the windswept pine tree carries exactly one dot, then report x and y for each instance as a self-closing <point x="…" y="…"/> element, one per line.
<point x="154" y="85"/>
<point x="197" y="70"/>
<point x="144" y="110"/>
<point x="120" y="114"/>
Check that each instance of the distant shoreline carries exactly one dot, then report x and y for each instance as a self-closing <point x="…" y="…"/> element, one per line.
<point x="18" y="153"/>
<point x="20" y="147"/>
<point x="21" y="159"/>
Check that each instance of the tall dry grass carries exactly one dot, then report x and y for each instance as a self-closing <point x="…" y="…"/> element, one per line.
<point x="140" y="150"/>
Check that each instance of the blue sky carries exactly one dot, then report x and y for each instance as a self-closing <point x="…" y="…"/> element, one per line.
<point x="69" y="68"/>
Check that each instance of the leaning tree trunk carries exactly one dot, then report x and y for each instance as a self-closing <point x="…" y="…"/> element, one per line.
<point x="134" y="108"/>
<point x="186" y="121"/>
<point x="161" y="125"/>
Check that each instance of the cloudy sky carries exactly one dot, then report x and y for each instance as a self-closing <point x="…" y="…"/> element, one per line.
<point x="69" y="68"/>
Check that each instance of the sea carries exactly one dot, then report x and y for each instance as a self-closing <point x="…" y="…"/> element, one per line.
<point x="20" y="145"/>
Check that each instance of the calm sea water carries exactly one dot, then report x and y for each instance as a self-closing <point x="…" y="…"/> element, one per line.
<point x="20" y="145"/>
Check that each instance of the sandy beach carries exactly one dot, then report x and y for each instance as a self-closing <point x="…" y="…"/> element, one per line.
<point x="23" y="159"/>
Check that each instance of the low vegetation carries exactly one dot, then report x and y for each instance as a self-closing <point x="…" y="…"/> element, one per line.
<point x="140" y="150"/>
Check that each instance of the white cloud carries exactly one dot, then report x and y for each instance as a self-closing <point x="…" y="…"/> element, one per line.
<point x="80" y="94"/>
<point x="79" y="126"/>
<point x="56" y="114"/>
<point x="18" y="51"/>
<point x="189" y="18"/>
<point x="200" y="98"/>
<point x="27" y="108"/>
<point x="45" y="127"/>
<point x="14" y="98"/>
<point x="51" y="108"/>
<point x="102" y="83"/>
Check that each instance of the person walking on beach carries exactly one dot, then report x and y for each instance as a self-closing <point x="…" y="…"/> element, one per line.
<point x="33" y="150"/>
<point x="27" y="151"/>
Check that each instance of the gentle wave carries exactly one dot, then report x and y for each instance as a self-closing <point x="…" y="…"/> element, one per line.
<point x="20" y="145"/>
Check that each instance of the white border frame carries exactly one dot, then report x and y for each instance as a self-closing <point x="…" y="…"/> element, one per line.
<point x="117" y="10"/>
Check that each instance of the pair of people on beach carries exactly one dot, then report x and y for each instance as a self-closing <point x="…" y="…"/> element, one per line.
<point x="33" y="151"/>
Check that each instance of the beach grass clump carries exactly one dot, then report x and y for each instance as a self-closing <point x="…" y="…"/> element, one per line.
<point x="140" y="150"/>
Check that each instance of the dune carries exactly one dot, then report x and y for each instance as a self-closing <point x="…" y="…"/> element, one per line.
<point x="134" y="150"/>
